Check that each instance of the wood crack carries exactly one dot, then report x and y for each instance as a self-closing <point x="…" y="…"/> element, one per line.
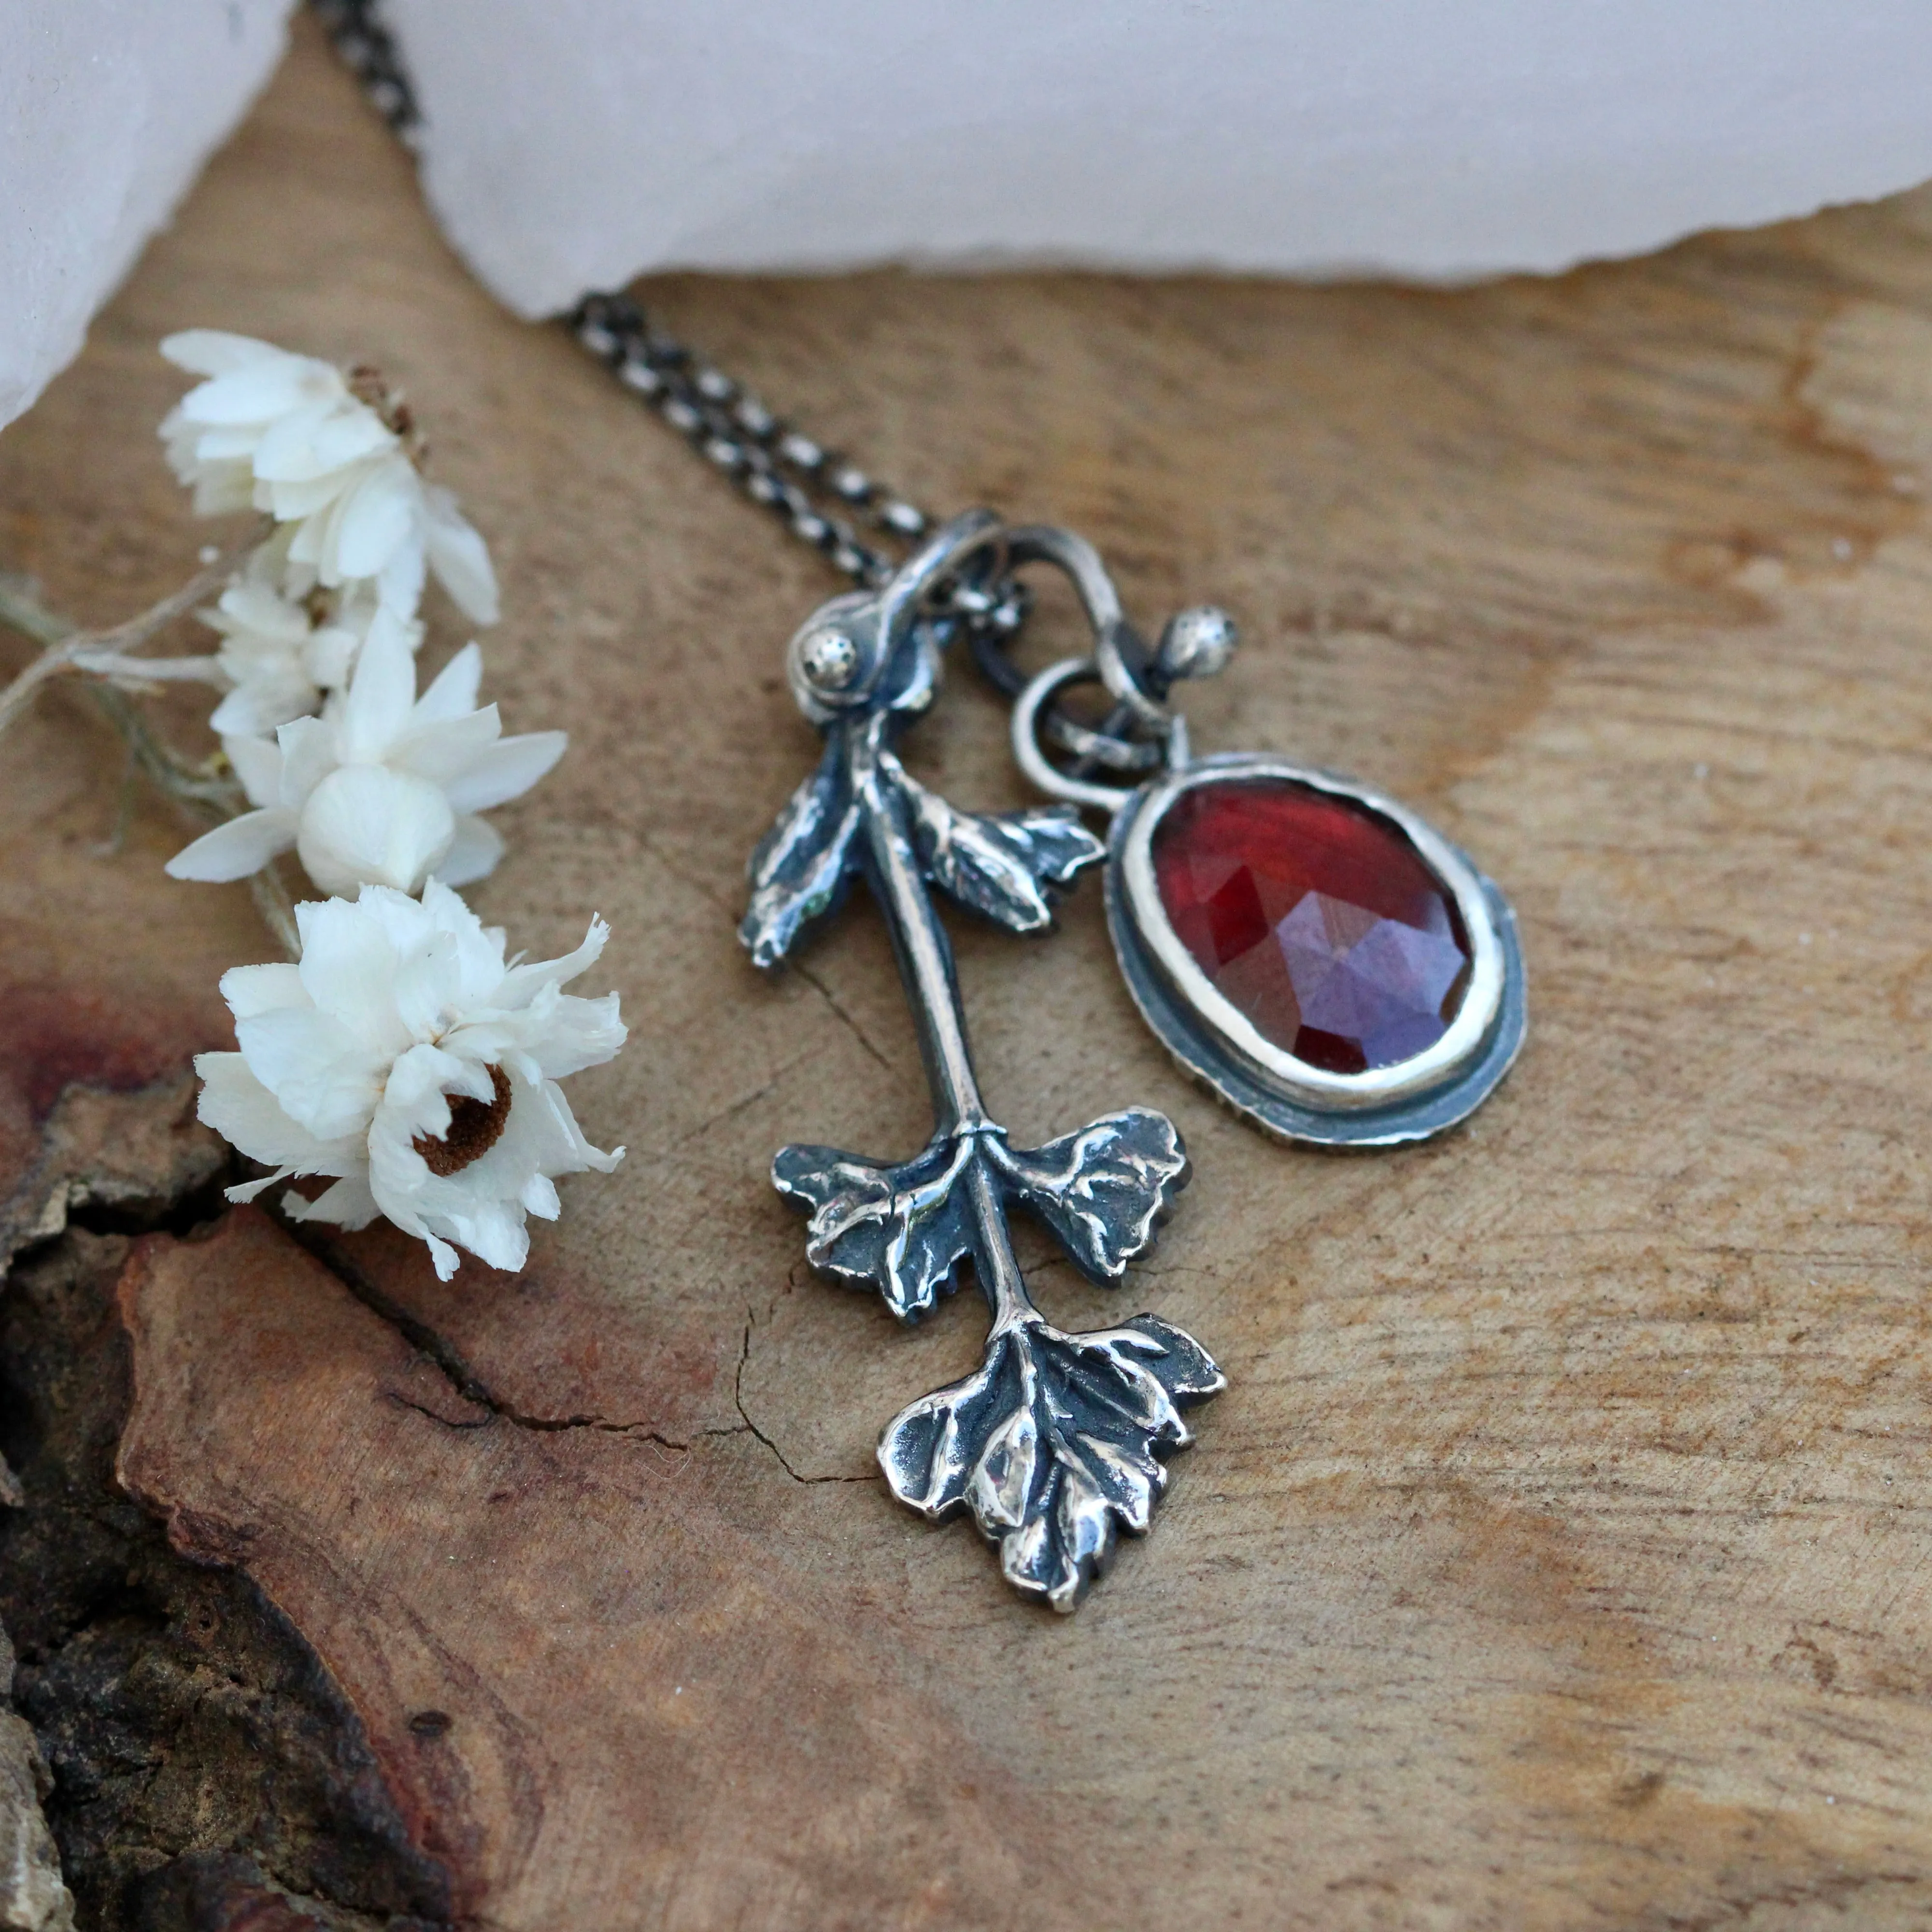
<point x="851" y="1025"/>
<point x="443" y="1355"/>
<point x="778" y="1455"/>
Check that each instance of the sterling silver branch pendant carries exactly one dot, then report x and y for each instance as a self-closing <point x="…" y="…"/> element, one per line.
<point x="1058" y="1440"/>
<point x="1329" y="965"/>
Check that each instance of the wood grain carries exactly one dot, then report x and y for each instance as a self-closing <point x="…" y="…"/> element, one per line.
<point x="1560" y="1555"/>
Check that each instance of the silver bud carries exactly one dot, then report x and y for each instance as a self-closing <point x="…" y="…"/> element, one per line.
<point x="829" y="658"/>
<point x="1197" y="642"/>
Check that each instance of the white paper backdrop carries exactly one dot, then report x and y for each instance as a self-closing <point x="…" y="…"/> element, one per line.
<point x="108" y="109"/>
<point x="574" y="143"/>
<point x="1415" y="137"/>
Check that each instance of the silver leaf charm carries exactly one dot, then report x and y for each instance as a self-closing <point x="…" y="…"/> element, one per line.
<point x="1055" y="1443"/>
<point x="1105" y="1190"/>
<point x="1006" y="866"/>
<point x="803" y="865"/>
<point x="899" y="1229"/>
<point x="1059" y="1441"/>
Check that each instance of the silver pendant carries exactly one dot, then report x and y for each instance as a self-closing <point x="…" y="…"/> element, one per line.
<point x="1058" y="1441"/>
<point x="1316" y="955"/>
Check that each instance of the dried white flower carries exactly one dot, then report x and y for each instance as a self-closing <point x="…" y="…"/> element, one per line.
<point x="279" y="663"/>
<point x="406" y="1059"/>
<point x="384" y="787"/>
<point x="288" y="434"/>
<point x="281" y="655"/>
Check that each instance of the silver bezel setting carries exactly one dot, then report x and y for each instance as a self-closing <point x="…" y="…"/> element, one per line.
<point x="1214" y="1040"/>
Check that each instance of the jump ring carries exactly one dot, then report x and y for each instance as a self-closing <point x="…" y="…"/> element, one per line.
<point x="1033" y="761"/>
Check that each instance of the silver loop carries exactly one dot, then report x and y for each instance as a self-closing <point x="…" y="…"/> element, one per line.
<point x="954" y="544"/>
<point x="1120" y="655"/>
<point x="1091" y="745"/>
<point x="1039" y="770"/>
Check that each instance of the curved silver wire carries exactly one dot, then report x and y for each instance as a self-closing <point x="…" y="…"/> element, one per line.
<point x="1121" y="655"/>
<point x="1040" y="691"/>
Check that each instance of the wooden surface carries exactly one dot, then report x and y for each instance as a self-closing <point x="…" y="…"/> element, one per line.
<point x="1560" y="1554"/>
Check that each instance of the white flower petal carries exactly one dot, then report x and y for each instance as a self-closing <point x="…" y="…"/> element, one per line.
<point x="382" y="693"/>
<point x="424" y="978"/>
<point x="583" y="1154"/>
<point x="348" y="1203"/>
<point x="349" y="953"/>
<point x="505" y="770"/>
<point x="322" y="440"/>
<point x="322" y="1076"/>
<point x="235" y="1104"/>
<point x="259" y="705"/>
<point x="250" y="990"/>
<point x="459" y="557"/>
<point x="247" y="1190"/>
<point x="223" y="489"/>
<point x="234" y="850"/>
<point x="307" y="746"/>
<point x="493" y="1231"/>
<point x="441" y="751"/>
<point x="399" y="584"/>
<point x="521" y="983"/>
<point x="473" y="853"/>
<point x="214" y="351"/>
<point x="405" y="923"/>
<point x="479" y="956"/>
<point x="258" y="764"/>
<point x="247" y="607"/>
<point x="317" y="504"/>
<point x="368" y="825"/>
<point x="446" y="1257"/>
<point x="579" y="1033"/>
<point x="383" y="512"/>
<point x="261" y="390"/>
<point x="287" y="448"/>
<point x="221" y="445"/>
<point x="328" y="655"/>
<point x="454" y="690"/>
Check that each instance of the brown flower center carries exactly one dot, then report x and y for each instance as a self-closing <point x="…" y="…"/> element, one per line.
<point x="475" y="1127"/>
<point x="367" y="384"/>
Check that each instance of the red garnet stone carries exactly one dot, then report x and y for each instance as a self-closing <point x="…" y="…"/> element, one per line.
<point x="1314" y="916"/>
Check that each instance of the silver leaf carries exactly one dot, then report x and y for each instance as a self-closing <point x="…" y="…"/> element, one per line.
<point x="803" y="865"/>
<point x="1006" y="866"/>
<point x="1055" y="1443"/>
<point x="901" y="1229"/>
<point x="1104" y="1191"/>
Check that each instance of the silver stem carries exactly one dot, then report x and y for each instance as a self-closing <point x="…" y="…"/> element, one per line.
<point x="994" y="1261"/>
<point x="925" y="956"/>
<point x="924" y="953"/>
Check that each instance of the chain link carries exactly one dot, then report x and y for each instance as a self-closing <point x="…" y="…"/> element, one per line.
<point x="366" y="48"/>
<point x="816" y="494"/>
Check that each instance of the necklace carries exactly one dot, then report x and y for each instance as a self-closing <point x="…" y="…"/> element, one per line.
<point x="1320" y="958"/>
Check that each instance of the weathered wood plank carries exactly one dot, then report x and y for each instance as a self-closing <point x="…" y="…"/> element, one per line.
<point x="1560" y="1554"/>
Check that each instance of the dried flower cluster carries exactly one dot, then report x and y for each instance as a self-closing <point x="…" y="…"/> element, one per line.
<point x="401" y="1056"/>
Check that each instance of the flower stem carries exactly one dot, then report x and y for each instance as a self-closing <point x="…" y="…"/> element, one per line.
<point x="63" y="644"/>
<point x="278" y="910"/>
<point x="201" y="788"/>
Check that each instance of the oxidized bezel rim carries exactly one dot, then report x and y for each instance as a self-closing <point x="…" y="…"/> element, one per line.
<point x="1215" y="1040"/>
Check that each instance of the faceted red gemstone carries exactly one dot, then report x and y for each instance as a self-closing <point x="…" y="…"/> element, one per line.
<point x="1314" y="916"/>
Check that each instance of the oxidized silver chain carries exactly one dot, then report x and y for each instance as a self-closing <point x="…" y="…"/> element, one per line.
<point x="1317" y="956"/>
